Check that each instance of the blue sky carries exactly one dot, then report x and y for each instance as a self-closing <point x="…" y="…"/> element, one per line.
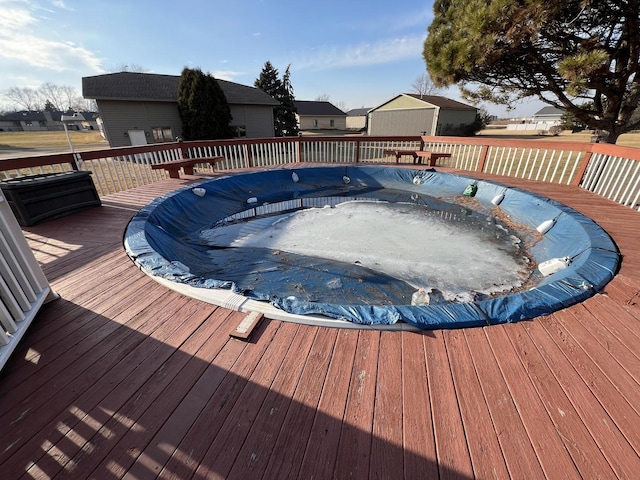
<point x="358" y="53"/>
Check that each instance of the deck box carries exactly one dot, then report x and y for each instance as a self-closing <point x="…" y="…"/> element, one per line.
<point x="36" y="198"/>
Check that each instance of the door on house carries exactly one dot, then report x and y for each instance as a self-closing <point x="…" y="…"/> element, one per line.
<point x="137" y="137"/>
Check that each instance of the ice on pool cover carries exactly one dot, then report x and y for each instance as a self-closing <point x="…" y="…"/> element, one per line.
<point x="400" y="240"/>
<point x="173" y="238"/>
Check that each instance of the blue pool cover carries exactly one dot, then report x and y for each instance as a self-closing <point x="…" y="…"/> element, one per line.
<point x="162" y="239"/>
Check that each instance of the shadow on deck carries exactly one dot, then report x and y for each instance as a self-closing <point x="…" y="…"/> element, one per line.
<point x="122" y="378"/>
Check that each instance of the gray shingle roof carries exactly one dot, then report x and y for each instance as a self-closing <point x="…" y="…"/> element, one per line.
<point x="27" y="116"/>
<point x="309" y="107"/>
<point x="38" y="116"/>
<point x="358" y="112"/>
<point x="553" y="111"/>
<point x="152" y="87"/>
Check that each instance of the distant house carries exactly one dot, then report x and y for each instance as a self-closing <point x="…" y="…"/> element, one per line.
<point x="541" y="121"/>
<point x="32" y="121"/>
<point x="314" y="115"/>
<point x="358" y="119"/>
<point x="140" y="108"/>
<point x="550" y="115"/>
<point x="413" y="114"/>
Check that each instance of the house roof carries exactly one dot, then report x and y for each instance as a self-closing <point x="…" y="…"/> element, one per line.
<point x="22" y="116"/>
<point x="310" y="107"/>
<point x="437" y="100"/>
<point x="38" y="116"/>
<point x="358" y="112"/>
<point x="548" y="111"/>
<point x="152" y="87"/>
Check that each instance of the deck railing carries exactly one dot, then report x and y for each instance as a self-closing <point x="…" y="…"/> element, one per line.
<point x="610" y="171"/>
<point x="23" y="286"/>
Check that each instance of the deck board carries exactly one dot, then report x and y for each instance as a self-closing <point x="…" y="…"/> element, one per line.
<point x="354" y="449"/>
<point x="122" y="378"/>
<point x="523" y="406"/>
<point x="452" y="449"/>
<point x="387" y="441"/>
<point x="556" y="431"/>
<point x="489" y="413"/>
<point x="419" y="446"/>
<point x="322" y="443"/>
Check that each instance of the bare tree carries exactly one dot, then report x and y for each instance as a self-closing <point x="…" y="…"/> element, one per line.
<point x="84" y="105"/>
<point x="128" y="67"/>
<point x="55" y="94"/>
<point x="71" y="97"/>
<point x="341" y="105"/>
<point x="27" y="98"/>
<point x="323" y="98"/>
<point x="424" y="86"/>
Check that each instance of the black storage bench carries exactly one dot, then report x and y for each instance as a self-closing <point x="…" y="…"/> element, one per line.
<point x="36" y="198"/>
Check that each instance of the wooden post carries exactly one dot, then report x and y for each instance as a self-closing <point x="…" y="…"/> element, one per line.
<point x="183" y="149"/>
<point x="357" y="151"/>
<point x="584" y="163"/>
<point x="247" y="155"/>
<point x="299" y="148"/>
<point x="483" y="158"/>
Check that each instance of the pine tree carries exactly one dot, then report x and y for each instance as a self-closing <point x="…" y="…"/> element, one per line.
<point x="289" y="122"/>
<point x="284" y="114"/>
<point x="202" y="106"/>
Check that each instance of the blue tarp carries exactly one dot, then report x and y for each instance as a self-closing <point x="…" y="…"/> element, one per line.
<point x="164" y="240"/>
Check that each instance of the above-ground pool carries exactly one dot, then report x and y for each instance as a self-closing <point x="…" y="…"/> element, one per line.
<point x="352" y="246"/>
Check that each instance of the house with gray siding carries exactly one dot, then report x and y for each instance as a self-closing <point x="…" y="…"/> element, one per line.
<point x="312" y="115"/>
<point x="358" y="119"/>
<point x="141" y="108"/>
<point x="413" y="114"/>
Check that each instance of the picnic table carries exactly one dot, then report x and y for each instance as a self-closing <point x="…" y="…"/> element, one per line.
<point x="174" y="166"/>
<point x="430" y="157"/>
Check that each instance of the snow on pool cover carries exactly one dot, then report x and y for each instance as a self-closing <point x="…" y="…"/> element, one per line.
<point x="354" y="243"/>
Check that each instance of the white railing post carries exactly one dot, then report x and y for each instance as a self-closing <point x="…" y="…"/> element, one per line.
<point x="23" y="286"/>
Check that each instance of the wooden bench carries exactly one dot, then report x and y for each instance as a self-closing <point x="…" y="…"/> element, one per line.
<point x="174" y="166"/>
<point x="430" y="157"/>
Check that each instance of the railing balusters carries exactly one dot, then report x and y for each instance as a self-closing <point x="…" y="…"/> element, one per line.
<point x="632" y="186"/>
<point x="611" y="176"/>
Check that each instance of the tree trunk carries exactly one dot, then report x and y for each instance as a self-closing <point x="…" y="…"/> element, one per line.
<point x="608" y="137"/>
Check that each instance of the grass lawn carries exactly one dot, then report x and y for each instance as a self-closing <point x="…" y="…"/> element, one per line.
<point x="626" y="140"/>
<point x="39" y="140"/>
<point x="28" y="143"/>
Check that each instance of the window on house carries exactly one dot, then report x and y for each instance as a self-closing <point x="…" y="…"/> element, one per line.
<point x="315" y="123"/>
<point x="28" y="123"/>
<point x="332" y="123"/>
<point x="162" y="134"/>
<point x="240" y="131"/>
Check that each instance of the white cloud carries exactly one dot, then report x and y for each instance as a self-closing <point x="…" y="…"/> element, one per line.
<point x="60" y="4"/>
<point x="399" y="21"/>
<point x="378" y="53"/>
<point x="14" y="19"/>
<point x="27" y="52"/>
<point x="47" y="54"/>
<point x="228" y="75"/>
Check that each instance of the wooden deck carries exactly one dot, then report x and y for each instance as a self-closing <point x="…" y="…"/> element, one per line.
<point x="122" y="378"/>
